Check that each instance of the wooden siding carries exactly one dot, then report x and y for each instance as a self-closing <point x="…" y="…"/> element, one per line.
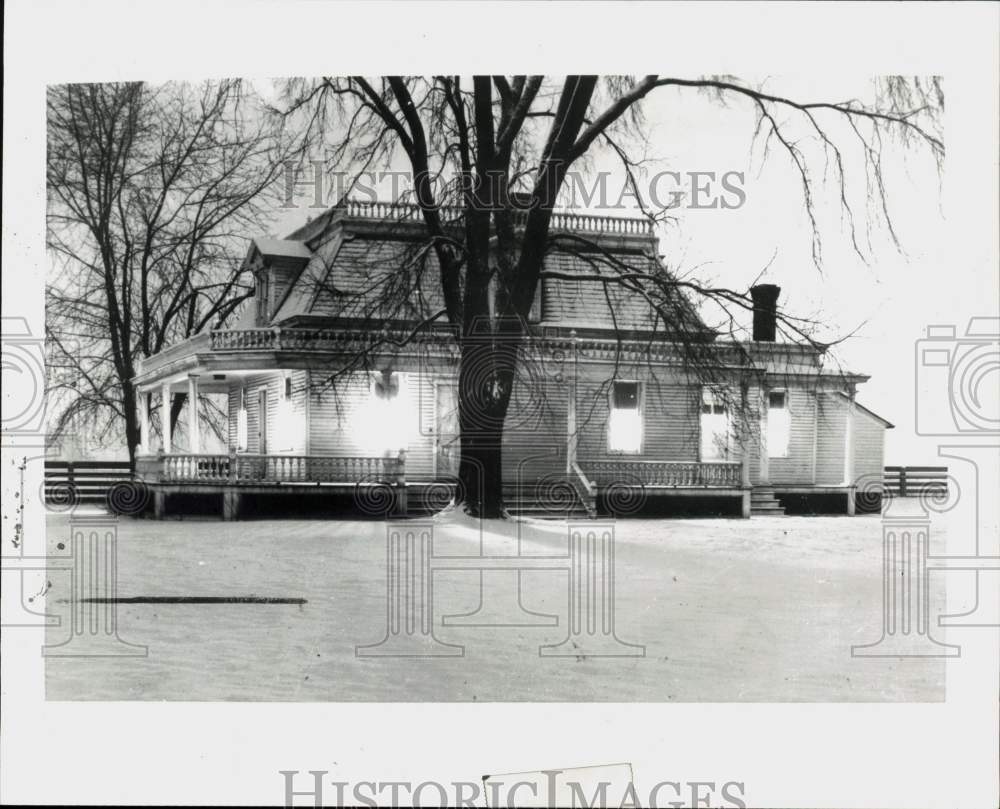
<point x="286" y="419"/>
<point x="534" y="439"/>
<point x="336" y="421"/>
<point x="341" y="421"/>
<point x="830" y="423"/>
<point x="670" y="409"/>
<point x="797" y="467"/>
<point x="869" y="446"/>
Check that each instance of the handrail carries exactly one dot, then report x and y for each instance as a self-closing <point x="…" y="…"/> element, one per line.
<point x="588" y="484"/>
<point x="589" y="496"/>
<point x="258" y="468"/>
<point x="676" y="474"/>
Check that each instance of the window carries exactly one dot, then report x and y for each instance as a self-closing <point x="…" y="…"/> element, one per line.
<point x="625" y="421"/>
<point x="288" y="388"/>
<point x="262" y="298"/>
<point x="388" y="419"/>
<point x="241" y="422"/>
<point x="778" y="424"/>
<point x="714" y="427"/>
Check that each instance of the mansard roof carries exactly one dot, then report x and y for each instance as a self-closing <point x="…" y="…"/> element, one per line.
<point x="354" y="251"/>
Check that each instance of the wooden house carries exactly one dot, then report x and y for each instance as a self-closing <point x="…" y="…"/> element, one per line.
<point x="332" y="393"/>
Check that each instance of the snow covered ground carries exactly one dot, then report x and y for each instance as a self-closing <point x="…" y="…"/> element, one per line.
<point x="727" y="610"/>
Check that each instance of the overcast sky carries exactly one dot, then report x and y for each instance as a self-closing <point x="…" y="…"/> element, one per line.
<point x="886" y="302"/>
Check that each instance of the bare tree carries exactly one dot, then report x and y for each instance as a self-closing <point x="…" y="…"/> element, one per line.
<point x="498" y="152"/>
<point x="151" y="191"/>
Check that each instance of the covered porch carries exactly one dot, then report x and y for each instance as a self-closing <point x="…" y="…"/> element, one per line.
<point x="267" y="456"/>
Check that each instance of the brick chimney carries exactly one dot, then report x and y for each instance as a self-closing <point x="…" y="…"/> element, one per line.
<point x="765" y="311"/>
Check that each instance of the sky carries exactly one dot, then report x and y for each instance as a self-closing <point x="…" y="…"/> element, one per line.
<point x="882" y="305"/>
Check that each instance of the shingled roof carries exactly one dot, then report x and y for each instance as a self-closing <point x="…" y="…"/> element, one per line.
<point x="357" y="252"/>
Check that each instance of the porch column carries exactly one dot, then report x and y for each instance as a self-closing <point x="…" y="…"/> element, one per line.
<point x="142" y="399"/>
<point x="165" y="417"/>
<point x="849" y="480"/>
<point x="195" y="439"/>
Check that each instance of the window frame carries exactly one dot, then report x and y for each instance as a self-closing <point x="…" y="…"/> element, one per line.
<point x="786" y="449"/>
<point x="640" y="408"/>
<point x="242" y="422"/>
<point x="718" y="408"/>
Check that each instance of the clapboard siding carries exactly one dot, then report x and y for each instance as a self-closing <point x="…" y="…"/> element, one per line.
<point x="340" y="420"/>
<point x="534" y="439"/>
<point x="670" y="411"/>
<point x="343" y="422"/>
<point x="798" y="466"/>
<point x="286" y="419"/>
<point x="869" y="437"/>
<point x="830" y="423"/>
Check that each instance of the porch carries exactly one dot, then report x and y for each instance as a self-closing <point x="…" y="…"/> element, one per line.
<point x="378" y="486"/>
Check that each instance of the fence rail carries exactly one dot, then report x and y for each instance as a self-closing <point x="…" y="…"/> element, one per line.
<point x="912" y="481"/>
<point x="89" y="481"/>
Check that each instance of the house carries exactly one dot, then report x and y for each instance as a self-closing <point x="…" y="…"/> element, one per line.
<point x="332" y="391"/>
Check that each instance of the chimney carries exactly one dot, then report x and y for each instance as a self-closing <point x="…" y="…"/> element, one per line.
<point x="765" y="311"/>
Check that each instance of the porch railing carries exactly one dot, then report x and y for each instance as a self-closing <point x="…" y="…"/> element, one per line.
<point x="281" y="469"/>
<point x="708" y="474"/>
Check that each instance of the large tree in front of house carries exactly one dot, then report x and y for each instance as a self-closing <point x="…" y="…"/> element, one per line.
<point x="500" y="148"/>
<point x="152" y="191"/>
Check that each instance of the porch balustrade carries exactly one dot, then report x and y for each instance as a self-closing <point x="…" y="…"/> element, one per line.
<point x="708" y="474"/>
<point x="280" y="469"/>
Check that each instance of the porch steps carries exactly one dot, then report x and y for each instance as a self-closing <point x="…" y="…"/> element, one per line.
<point x="528" y="501"/>
<point x="763" y="503"/>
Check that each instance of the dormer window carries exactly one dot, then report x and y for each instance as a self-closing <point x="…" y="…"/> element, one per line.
<point x="262" y="295"/>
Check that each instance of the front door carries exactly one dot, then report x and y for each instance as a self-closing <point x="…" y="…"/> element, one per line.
<point x="262" y="421"/>
<point x="446" y="434"/>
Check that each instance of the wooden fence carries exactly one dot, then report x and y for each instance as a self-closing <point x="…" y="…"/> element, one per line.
<point x="84" y="481"/>
<point x="912" y="481"/>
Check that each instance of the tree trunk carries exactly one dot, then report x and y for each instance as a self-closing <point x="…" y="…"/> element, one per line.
<point x="480" y="474"/>
<point x="132" y="436"/>
<point x="485" y="380"/>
